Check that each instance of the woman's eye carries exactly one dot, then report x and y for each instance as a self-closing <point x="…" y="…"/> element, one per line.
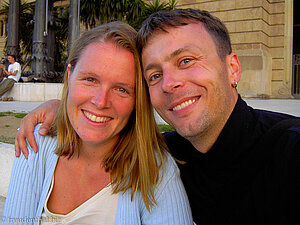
<point x="122" y="90"/>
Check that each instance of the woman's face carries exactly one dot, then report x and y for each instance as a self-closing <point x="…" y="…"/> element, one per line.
<point x="101" y="93"/>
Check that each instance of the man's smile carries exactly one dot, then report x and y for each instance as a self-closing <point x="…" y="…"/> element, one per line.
<point x="184" y="104"/>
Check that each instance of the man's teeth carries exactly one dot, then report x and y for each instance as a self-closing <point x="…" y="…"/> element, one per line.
<point x="183" y="105"/>
<point x="98" y="119"/>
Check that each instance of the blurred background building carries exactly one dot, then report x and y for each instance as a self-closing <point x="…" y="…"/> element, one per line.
<point x="264" y="34"/>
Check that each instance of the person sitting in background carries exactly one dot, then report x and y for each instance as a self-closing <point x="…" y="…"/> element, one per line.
<point x="105" y="161"/>
<point x="13" y="75"/>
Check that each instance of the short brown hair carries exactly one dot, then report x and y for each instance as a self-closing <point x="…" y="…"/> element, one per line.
<point x="180" y="17"/>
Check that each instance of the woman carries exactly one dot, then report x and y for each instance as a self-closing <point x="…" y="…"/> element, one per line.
<point x="107" y="163"/>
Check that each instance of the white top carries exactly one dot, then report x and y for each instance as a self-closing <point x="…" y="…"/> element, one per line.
<point x="12" y="68"/>
<point x="99" y="209"/>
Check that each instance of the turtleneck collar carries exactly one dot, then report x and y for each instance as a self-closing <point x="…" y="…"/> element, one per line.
<point x="232" y="141"/>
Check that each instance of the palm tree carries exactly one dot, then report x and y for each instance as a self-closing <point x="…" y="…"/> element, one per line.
<point x="151" y="7"/>
<point x="92" y="13"/>
<point x="25" y="28"/>
<point x="95" y="12"/>
<point x="26" y="32"/>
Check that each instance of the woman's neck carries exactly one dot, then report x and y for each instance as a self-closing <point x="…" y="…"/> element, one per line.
<point x="93" y="153"/>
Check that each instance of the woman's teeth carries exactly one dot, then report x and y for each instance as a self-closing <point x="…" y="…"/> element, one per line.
<point x="98" y="119"/>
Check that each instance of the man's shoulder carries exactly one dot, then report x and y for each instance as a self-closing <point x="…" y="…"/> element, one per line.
<point x="269" y="118"/>
<point x="283" y="139"/>
<point x="16" y="65"/>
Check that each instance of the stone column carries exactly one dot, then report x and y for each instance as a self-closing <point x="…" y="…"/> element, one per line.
<point x="39" y="50"/>
<point x="51" y="36"/>
<point x="74" y="28"/>
<point x="13" y="28"/>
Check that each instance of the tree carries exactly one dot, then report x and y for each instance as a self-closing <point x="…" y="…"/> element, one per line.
<point x="26" y="29"/>
<point x="26" y="32"/>
<point x="92" y="13"/>
<point x="95" y="12"/>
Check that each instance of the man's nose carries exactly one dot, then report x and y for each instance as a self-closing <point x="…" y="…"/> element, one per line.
<point x="172" y="80"/>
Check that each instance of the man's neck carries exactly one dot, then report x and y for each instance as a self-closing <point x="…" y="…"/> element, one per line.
<point x="204" y="141"/>
<point x="207" y="138"/>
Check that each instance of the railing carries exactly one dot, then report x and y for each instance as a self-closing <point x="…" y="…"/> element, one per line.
<point x="296" y="76"/>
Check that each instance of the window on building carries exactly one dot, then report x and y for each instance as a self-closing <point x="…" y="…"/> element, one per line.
<point x="2" y="29"/>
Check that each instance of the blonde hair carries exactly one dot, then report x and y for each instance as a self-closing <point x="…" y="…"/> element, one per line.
<point x="138" y="155"/>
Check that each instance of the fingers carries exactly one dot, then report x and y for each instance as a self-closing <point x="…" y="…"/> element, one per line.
<point x="44" y="114"/>
<point x="44" y="129"/>
<point x="25" y="131"/>
<point x="17" y="148"/>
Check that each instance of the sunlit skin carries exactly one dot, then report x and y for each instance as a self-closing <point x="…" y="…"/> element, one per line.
<point x="101" y="88"/>
<point x="189" y="84"/>
<point x="100" y="101"/>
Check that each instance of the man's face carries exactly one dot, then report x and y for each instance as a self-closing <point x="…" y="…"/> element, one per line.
<point x="189" y="85"/>
<point x="10" y="59"/>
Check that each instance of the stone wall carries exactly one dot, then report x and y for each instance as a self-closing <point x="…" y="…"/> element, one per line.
<point x="35" y="91"/>
<point x="7" y="155"/>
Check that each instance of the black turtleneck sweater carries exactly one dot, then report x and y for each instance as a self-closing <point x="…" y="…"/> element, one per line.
<point x="235" y="182"/>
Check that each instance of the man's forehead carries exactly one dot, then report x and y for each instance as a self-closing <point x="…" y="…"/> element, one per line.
<point x="165" y="30"/>
<point x="183" y="31"/>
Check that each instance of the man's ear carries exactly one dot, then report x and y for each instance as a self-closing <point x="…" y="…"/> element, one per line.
<point x="234" y="67"/>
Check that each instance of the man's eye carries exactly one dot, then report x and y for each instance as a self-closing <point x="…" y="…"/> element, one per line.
<point x="185" y="61"/>
<point x="154" y="77"/>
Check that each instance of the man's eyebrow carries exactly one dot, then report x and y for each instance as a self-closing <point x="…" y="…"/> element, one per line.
<point x="179" y="51"/>
<point x="176" y="53"/>
<point x="152" y="66"/>
<point x="168" y="58"/>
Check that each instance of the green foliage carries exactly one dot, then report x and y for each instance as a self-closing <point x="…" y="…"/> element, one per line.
<point x="25" y="28"/>
<point x="92" y="13"/>
<point x="95" y="12"/>
<point x="17" y="115"/>
<point x="61" y="37"/>
<point x="26" y="32"/>
<point x="20" y="115"/>
<point x="165" y="128"/>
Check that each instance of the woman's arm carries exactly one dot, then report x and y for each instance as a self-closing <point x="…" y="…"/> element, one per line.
<point x="44" y="114"/>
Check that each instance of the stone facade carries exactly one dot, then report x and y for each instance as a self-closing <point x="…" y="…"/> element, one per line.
<point x="261" y="35"/>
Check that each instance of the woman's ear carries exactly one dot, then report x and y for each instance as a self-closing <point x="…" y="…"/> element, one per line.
<point x="69" y="71"/>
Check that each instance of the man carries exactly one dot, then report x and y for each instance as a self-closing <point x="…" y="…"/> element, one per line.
<point x="13" y="75"/>
<point x="192" y="75"/>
